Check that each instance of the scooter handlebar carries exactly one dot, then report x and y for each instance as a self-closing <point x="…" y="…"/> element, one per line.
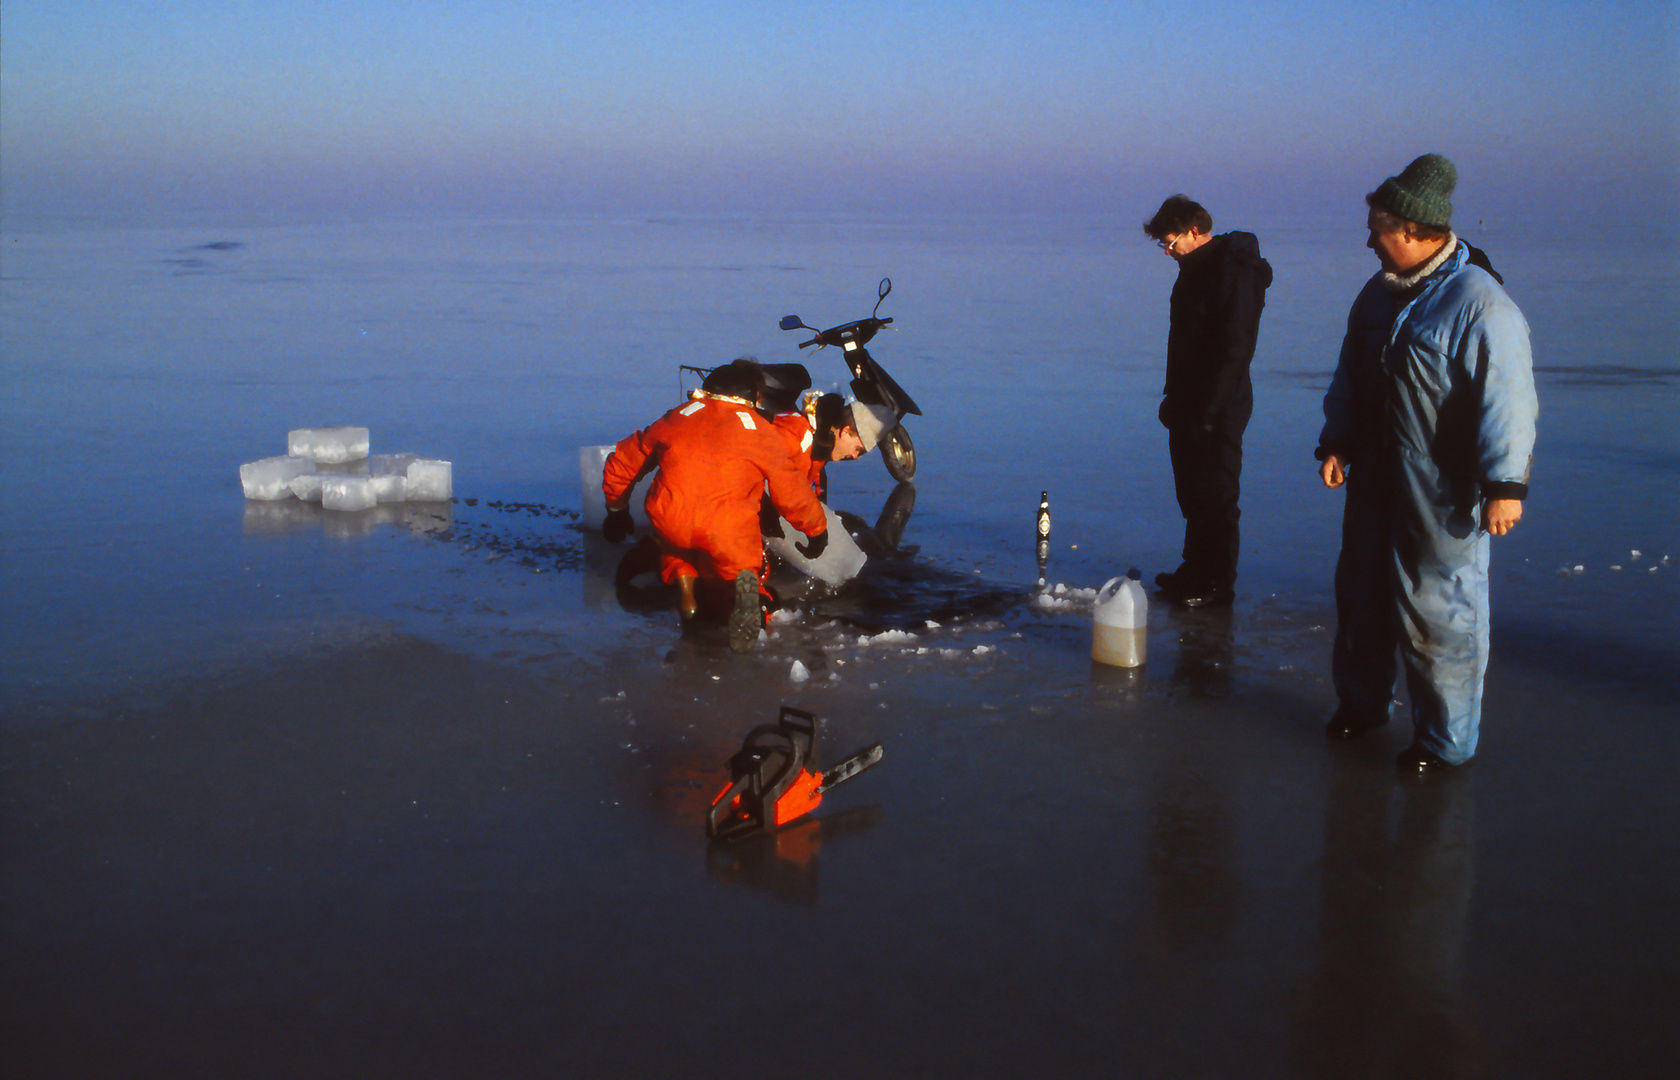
<point x="860" y="331"/>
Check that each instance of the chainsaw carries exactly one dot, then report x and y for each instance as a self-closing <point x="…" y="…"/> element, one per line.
<point x="773" y="778"/>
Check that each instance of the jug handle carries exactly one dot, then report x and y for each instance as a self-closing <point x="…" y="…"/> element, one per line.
<point x="1112" y="583"/>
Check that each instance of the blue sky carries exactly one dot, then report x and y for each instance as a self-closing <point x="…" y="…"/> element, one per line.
<point x="250" y="110"/>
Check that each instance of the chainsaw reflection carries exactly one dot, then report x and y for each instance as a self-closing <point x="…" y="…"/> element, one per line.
<point x="784" y="863"/>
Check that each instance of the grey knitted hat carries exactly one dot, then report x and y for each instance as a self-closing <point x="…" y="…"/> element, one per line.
<point x="872" y="423"/>
<point x="1422" y="193"/>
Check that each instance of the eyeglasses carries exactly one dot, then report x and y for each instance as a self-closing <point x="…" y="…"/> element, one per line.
<point x="1168" y="245"/>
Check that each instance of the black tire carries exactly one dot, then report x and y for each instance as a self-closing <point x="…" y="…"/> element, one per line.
<point x="898" y="453"/>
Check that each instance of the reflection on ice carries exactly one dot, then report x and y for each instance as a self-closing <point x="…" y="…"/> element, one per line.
<point x="784" y="864"/>
<point x="291" y="515"/>
<point x="1386" y="995"/>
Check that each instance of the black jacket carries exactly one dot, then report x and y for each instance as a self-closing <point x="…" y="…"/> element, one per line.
<point x="1216" y="305"/>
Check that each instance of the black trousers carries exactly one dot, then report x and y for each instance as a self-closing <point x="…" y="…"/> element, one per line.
<point x="1207" y="473"/>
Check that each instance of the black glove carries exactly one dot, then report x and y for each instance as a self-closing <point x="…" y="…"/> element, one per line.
<point x="617" y="525"/>
<point x="814" y="547"/>
<point x="769" y="519"/>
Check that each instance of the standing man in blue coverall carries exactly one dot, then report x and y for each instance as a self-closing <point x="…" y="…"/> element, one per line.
<point x="1429" y="421"/>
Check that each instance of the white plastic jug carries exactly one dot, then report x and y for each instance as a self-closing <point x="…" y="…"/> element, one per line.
<point x="1120" y="621"/>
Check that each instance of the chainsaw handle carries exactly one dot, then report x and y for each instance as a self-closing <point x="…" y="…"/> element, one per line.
<point x="719" y="810"/>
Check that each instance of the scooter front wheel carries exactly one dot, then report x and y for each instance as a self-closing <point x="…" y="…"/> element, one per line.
<point x="898" y="453"/>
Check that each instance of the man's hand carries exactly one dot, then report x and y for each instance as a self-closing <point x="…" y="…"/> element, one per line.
<point x="1500" y="516"/>
<point x="617" y="525"/>
<point x="1333" y="471"/>
<point x="814" y="547"/>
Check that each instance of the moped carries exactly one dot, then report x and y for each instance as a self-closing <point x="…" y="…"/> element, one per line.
<point x="870" y="383"/>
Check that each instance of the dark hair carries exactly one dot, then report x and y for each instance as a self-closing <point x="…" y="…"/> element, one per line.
<point x="831" y="414"/>
<point x="738" y="378"/>
<point x="1397" y="223"/>
<point x="1179" y="213"/>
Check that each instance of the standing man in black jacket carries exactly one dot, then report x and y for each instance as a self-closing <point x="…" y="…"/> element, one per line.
<point x="1216" y="305"/>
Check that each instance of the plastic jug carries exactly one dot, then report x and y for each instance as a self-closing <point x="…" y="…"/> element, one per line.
<point x="1120" y="621"/>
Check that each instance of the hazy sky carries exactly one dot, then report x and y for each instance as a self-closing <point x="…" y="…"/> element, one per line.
<point x="249" y="110"/>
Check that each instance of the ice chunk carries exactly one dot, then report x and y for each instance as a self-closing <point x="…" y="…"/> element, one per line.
<point x="592" y="462"/>
<point x="390" y="464"/>
<point x="308" y="487"/>
<point x="799" y="672"/>
<point x="271" y="478"/>
<point x="388" y="488"/>
<point x="347" y="493"/>
<point x="840" y="561"/>
<point x="389" y="473"/>
<point x="330" y="445"/>
<point x="430" y="481"/>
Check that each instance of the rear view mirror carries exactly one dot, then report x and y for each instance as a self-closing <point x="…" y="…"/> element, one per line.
<point x="792" y="322"/>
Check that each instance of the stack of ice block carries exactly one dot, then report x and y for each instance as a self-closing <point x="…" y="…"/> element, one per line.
<point x="331" y="466"/>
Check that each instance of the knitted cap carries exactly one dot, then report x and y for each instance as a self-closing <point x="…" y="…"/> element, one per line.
<point x="1422" y="193"/>
<point x="872" y="423"/>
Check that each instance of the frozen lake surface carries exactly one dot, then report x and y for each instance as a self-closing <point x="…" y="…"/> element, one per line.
<point x="415" y="791"/>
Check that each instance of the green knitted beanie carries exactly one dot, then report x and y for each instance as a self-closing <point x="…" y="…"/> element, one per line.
<point x="1422" y="193"/>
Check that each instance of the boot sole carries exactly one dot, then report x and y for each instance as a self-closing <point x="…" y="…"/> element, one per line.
<point x="747" y="619"/>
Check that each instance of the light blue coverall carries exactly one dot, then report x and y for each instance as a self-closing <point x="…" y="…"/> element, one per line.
<point x="1433" y="410"/>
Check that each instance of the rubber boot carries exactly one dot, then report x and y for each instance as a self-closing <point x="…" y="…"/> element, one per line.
<point x="747" y="619"/>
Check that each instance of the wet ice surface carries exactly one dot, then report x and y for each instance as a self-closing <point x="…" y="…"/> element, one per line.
<point x="419" y="790"/>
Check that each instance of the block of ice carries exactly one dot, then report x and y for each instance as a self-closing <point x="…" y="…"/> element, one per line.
<point x="840" y="561"/>
<point x="308" y="487"/>
<point x="592" y="460"/>
<point x="430" y="481"/>
<point x="343" y="468"/>
<point x="390" y="464"/>
<point x="347" y="493"/>
<point x="329" y="445"/>
<point x="388" y="488"/>
<point x="271" y="478"/>
<point x="390" y="476"/>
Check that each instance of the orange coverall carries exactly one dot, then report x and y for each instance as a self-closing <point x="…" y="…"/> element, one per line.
<point x="714" y="458"/>
<point x="798" y="428"/>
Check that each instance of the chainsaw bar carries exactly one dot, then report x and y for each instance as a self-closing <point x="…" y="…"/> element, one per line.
<point x="858" y="762"/>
